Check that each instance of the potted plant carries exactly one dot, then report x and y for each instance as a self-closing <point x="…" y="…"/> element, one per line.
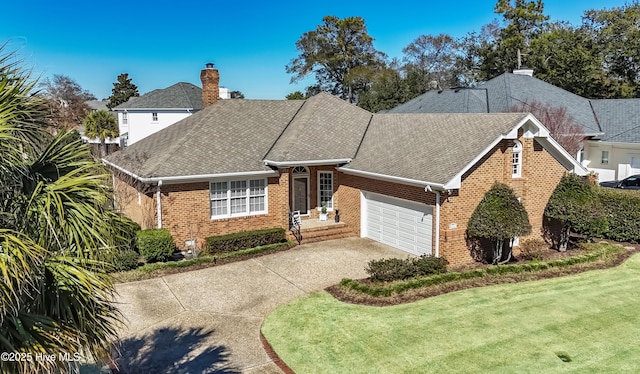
<point x="323" y="211"/>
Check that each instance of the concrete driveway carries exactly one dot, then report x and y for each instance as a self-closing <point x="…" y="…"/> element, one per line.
<point x="208" y="321"/>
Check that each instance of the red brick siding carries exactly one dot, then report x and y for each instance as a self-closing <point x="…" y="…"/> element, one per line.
<point x="186" y="211"/>
<point x="540" y="174"/>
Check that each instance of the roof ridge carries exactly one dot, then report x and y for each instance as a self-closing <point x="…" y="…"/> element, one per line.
<point x="284" y="129"/>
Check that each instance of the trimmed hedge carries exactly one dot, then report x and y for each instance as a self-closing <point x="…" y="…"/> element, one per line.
<point x="623" y="213"/>
<point x="156" y="244"/>
<point x="397" y="269"/>
<point x="243" y="240"/>
<point x="386" y="290"/>
<point x="125" y="260"/>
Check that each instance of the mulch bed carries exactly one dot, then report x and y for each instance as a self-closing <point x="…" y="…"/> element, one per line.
<point x="350" y="296"/>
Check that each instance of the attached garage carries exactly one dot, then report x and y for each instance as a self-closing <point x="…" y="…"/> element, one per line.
<point x="402" y="224"/>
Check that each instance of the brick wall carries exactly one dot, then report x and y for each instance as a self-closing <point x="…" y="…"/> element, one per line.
<point x="540" y="174"/>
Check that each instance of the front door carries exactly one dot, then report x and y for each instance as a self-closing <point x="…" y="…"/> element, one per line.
<point x="300" y="200"/>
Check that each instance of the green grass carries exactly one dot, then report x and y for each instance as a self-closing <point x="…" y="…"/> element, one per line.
<point x="592" y="317"/>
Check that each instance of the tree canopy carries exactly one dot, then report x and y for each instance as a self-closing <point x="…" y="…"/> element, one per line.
<point x="341" y="56"/>
<point x="123" y="89"/>
<point x="67" y="102"/>
<point x="56" y="295"/>
<point x="102" y="125"/>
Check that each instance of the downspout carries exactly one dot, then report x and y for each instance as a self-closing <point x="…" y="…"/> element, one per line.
<point x="437" y="246"/>
<point x="437" y="224"/>
<point x="159" y="204"/>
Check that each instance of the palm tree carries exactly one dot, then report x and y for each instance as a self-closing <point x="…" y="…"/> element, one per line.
<point x="101" y="124"/>
<point x="55" y="234"/>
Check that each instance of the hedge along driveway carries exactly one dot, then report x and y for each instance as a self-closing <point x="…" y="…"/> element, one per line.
<point x="591" y="319"/>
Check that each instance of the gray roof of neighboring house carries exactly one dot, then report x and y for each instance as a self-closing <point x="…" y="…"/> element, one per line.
<point x="501" y="94"/>
<point x="325" y="128"/>
<point x="179" y="96"/>
<point x="97" y="104"/>
<point x="231" y="136"/>
<point x="619" y="118"/>
<point x="428" y="147"/>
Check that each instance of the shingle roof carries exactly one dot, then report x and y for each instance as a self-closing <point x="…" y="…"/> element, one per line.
<point x="325" y="128"/>
<point x="620" y="119"/>
<point x="428" y="147"/>
<point x="500" y="95"/>
<point x="230" y="136"/>
<point x="180" y="95"/>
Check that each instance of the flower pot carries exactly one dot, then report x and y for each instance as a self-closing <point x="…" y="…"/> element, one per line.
<point x="323" y="216"/>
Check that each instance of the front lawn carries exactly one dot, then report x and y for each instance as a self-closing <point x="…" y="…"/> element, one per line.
<point x="587" y="323"/>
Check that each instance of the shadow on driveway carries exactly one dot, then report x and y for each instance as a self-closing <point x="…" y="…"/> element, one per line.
<point x="172" y="350"/>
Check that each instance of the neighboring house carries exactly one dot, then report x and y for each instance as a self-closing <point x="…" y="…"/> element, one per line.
<point x="611" y="127"/>
<point x="410" y="181"/>
<point x="142" y="116"/>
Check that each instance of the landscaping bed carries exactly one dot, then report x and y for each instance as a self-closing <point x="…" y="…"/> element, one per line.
<point x="159" y="269"/>
<point x="552" y="264"/>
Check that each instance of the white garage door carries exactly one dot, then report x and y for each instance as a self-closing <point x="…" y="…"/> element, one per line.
<point x="399" y="223"/>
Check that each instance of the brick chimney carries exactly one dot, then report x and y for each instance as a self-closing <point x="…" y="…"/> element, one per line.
<point x="210" y="85"/>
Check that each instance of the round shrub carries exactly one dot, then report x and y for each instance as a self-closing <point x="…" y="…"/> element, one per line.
<point x="125" y="260"/>
<point x="155" y="244"/>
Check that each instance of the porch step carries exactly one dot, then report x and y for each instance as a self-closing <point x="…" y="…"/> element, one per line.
<point x="322" y="233"/>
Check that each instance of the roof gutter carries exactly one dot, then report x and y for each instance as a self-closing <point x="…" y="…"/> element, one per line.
<point x="280" y="164"/>
<point x="390" y="178"/>
<point x="188" y="178"/>
<point x="147" y="109"/>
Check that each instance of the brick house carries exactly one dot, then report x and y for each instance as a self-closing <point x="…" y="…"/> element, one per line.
<point x="407" y="180"/>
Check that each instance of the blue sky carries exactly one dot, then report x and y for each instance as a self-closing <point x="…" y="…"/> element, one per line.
<point x="161" y="42"/>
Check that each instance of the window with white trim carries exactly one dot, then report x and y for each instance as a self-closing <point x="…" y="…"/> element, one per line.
<point x="516" y="159"/>
<point x="325" y="188"/>
<point x="125" y="118"/>
<point x="238" y="198"/>
<point x="154" y="117"/>
<point x="604" y="160"/>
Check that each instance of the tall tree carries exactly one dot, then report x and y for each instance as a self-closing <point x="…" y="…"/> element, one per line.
<point x="433" y="57"/>
<point x="522" y="21"/>
<point x="55" y="294"/>
<point x="340" y="54"/>
<point x="102" y="125"/>
<point x="569" y="58"/>
<point x="122" y="90"/>
<point x="617" y="32"/>
<point x="67" y="102"/>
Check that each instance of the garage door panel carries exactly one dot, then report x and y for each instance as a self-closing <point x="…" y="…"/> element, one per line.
<point x="402" y="224"/>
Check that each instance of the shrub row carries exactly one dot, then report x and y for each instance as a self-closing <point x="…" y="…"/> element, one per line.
<point x="377" y="290"/>
<point x="397" y="269"/>
<point x="156" y="244"/>
<point x="243" y="240"/>
<point x="622" y="213"/>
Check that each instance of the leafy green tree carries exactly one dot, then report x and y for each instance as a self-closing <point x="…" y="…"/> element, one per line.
<point x="569" y="58"/>
<point x="495" y="50"/>
<point x="122" y="90"/>
<point x="102" y="125"/>
<point x="388" y="90"/>
<point x="56" y="295"/>
<point x="297" y="95"/>
<point x="499" y="217"/>
<point x="340" y="54"/>
<point x="67" y="102"/>
<point x="576" y="205"/>
<point x="617" y="32"/>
